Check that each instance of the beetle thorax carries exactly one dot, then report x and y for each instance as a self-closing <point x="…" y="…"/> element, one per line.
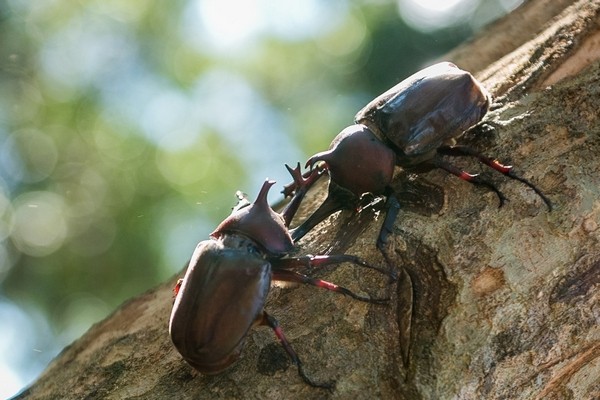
<point x="358" y="161"/>
<point x="241" y="242"/>
<point x="259" y="223"/>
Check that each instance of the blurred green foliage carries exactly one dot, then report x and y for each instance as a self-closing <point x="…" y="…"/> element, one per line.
<point x="126" y="128"/>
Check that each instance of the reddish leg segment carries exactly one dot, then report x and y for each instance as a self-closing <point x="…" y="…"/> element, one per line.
<point x="474" y="179"/>
<point x="274" y="324"/>
<point x="506" y="170"/>
<point x="309" y="261"/>
<point x="291" y="276"/>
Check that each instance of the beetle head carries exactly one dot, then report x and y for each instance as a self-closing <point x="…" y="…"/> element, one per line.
<point x="358" y="161"/>
<point x="260" y="223"/>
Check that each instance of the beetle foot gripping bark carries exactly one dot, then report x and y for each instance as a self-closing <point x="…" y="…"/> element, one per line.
<point x="282" y="271"/>
<point x="471" y="178"/>
<point x="506" y="170"/>
<point x="274" y="324"/>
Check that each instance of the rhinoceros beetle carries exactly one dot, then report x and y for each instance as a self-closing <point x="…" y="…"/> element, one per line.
<point x="224" y="290"/>
<point x="412" y="125"/>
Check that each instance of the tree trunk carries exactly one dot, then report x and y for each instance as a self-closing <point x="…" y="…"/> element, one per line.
<point x="505" y="301"/>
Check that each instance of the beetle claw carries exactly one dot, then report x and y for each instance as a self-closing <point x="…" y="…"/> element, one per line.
<point x="329" y="385"/>
<point x="506" y="170"/>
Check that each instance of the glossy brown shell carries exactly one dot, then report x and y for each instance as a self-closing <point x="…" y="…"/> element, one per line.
<point x="220" y="298"/>
<point x="426" y="110"/>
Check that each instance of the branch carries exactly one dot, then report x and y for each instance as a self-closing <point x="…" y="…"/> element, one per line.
<point x="505" y="300"/>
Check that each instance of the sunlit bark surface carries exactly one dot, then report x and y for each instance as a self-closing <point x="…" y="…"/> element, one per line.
<point x="505" y="300"/>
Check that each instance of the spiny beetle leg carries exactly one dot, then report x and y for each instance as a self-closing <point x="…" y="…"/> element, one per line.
<point x="392" y="208"/>
<point x="506" y="170"/>
<point x="309" y="261"/>
<point x="405" y="285"/>
<point x="302" y="184"/>
<point x="274" y="324"/>
<point x="474" y="179"/>
<point x="337" y="199"/>
<point x="291" y="276"/>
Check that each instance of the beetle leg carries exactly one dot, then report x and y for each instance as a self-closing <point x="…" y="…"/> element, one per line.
<point x="392" y="208"/>
<point x="506" y="170"/>
<point x="474" y="179"/>
<point x="337" y="199"/>
<point x="274" y="324"/>
<point x="295" y="277"/>
<point x="405" y="285"/>
<point x="302" y="184"/>
<point x="310" y="261"/>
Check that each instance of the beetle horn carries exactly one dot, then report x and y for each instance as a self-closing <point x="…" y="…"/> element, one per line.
<point x="322" y="156"/>
<point x="261" y="198"/>
<point x="259" y="222"/>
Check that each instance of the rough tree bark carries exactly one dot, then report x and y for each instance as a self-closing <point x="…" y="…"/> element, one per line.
<point x="506" y="301"/>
